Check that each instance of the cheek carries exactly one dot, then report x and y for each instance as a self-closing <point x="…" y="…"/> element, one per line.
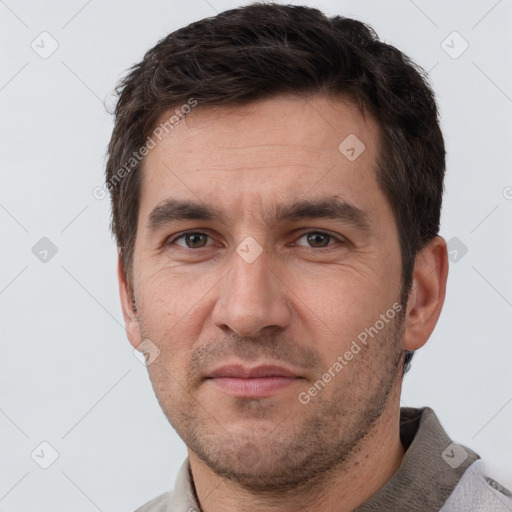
<point x="338" y="305"/>
<point x="170" y="296"/>
<point x="173" y="310"/>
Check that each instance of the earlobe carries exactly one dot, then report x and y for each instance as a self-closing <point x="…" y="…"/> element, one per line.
<point x="427" y="296"/>
<point x="128" y="306"/>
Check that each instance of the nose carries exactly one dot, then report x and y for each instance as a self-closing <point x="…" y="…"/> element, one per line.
<point x="251" y="298"/>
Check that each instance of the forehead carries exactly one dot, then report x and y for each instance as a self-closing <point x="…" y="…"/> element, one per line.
<point x="247" y="157"/>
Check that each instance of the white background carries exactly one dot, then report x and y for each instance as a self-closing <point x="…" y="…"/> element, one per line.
<point x="67" y="372"/>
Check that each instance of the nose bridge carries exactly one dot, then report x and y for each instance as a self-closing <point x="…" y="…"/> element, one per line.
<point x="250" y="273"/>
<point x="250" y="299"/>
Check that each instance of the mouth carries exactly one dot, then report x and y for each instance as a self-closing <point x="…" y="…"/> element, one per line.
<point x="257" y="382"/>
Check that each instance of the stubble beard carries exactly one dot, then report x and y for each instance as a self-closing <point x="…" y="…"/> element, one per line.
<point x="291" y="455"/>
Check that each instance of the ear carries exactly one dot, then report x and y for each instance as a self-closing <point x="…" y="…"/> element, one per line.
<point x="427" y="295"/>
<point x="130" y="316"/>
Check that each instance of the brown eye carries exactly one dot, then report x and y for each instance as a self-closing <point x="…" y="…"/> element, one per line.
<point x="321" y="240"/>
<point x="195" y="240"/>
<point x="192" y="240"/>
<point x="318" y="239"/>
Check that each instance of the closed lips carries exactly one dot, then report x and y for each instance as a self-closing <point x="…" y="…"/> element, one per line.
<point x="259" y="372"/>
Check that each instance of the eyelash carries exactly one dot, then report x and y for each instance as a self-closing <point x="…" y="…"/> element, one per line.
<point x="339" y="239"/>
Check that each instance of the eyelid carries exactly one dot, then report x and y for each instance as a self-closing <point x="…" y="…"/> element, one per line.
<point x="173" y="238"/>
<point x="338" y="238"/>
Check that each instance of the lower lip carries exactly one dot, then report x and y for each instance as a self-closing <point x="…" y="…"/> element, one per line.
<point x="259" y="387"/>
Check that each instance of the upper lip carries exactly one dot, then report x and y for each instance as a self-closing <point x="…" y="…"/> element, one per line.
<point x="239" y="371"/>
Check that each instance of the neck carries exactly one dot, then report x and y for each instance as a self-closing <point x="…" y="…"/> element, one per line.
<point x="346" y="487"/>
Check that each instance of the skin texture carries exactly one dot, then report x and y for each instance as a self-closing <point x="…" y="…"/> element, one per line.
<point x="299" y="304"/>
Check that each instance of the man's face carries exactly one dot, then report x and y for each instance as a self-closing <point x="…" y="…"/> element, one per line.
<point x="263" y="253"/>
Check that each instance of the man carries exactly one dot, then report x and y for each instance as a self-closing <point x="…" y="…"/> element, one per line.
<point x="276" y="180"/>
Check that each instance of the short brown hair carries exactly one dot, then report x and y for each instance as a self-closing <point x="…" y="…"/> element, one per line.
<point x="261" y="50"/>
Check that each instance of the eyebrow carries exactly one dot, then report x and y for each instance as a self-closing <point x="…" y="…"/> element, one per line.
<point x="172" y="210"/>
